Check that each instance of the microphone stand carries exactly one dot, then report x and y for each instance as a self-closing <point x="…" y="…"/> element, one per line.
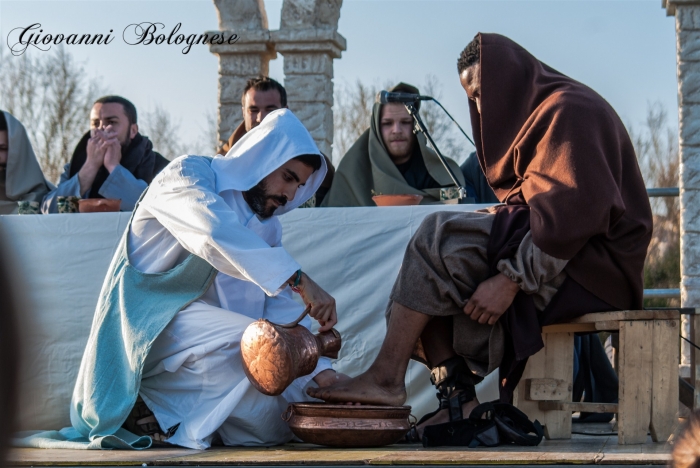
<point x="420" y="127"/>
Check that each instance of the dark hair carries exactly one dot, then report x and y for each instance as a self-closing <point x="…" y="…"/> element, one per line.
<point x="3" y="122"/>
<point x="265" y="83"/>
<point x="470" y="55"/>
<point x="129" y="108"/>
<point x="311" y="160"/>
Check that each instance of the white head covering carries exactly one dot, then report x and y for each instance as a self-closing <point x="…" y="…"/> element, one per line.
<point x="24" y="179"/>
<point x="279" y="138"/>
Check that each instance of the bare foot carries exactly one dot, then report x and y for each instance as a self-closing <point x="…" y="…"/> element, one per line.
<point x="443" y="416"/>
<point x="364" y="389"/>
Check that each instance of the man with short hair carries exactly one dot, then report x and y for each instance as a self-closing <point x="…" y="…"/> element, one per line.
<point x="475" y="289"/>
<point x="202" y="259"/>
<point x="112" y="160"/>
<point x="389" y="159"/>
<point x="21" y="178"/>
<point x="261" y="96"/>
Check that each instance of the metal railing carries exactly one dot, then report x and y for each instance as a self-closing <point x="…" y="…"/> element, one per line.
<point x="663" y="293"/>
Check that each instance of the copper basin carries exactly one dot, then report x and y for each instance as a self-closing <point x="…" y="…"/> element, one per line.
<point x="348" y="426"/>
<point x="397" y="200"/>
<point x="99" y="205"/>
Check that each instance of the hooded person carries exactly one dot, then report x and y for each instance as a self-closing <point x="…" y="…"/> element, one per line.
<point x="21" y="178"/>
<point x="261" y="96"/>
<point x="200" y="260"/>
<point x="370" y="167"/>
<point x="475" y="289"/>
<point x="97" y="171"/>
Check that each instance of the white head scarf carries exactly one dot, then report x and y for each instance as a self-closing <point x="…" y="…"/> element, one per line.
<point x="279" y="138"/>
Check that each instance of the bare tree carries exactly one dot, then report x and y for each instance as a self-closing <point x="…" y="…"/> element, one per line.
<point x="351" y="115"/>
<point x="353" y="110"/>
<point x="52" y="97"/>
<point x="448" y="139"/>
<point x="657" y="151"/>
<point x="163" y="131"/>
<point x="207" y="143"/>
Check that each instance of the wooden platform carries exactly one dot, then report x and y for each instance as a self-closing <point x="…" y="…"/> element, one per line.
<point x="580" y="450"/>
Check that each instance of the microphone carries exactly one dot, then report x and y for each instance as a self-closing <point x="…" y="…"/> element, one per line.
<point x="385" y="97"/>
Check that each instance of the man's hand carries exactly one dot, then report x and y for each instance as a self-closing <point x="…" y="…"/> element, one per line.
<point x="491" y="298"/>
<point x="113" y="150"/>
<point x="322" y="304"/>
<point x="93" y="162"/>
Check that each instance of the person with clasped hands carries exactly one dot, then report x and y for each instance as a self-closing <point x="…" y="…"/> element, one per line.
<point x="112" y="160"/>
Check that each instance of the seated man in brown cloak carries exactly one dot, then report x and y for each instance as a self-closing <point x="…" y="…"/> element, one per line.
<point x="571" y="236"/>
<point x="389" y="159"/>
<point x="261" y="96"/>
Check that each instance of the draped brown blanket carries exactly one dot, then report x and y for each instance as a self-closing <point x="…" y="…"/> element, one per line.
<point x="548" y="141"/>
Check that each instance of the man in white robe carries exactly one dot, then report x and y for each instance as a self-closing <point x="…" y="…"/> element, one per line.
<point x="223" y="210"/>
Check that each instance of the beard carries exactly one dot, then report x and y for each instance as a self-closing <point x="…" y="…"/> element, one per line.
<point x="258" y="199"/>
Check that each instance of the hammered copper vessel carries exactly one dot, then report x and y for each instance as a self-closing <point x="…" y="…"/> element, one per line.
<point x="348" y="426"/>
<point x="273" y="356"/>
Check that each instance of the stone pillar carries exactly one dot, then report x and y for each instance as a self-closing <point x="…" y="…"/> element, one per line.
<point x="309" y="41"/>
<point x="248" y="57"/>
<point x="687" y="15"/>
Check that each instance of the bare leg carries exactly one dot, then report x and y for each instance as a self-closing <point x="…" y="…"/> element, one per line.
<point x="437" y="345"/>
<point x="383" y="382"/>
<point x="437" y="340"/>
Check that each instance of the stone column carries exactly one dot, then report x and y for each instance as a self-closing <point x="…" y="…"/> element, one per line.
<point x="309" y="41"/>
<point x="248" y="57"/>
<point x="687" y="15"/>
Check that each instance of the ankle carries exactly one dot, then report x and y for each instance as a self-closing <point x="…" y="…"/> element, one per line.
<point x="386" y="378"/>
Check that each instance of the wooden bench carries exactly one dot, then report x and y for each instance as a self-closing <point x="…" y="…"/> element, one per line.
<point x="648" y="357"/>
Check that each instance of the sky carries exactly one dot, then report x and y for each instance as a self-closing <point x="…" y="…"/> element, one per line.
<point x="625" y="50"/>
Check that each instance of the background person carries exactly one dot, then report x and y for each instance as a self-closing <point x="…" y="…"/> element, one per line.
<point x="112" y="160"/>
<point x="389" y="159"/>
<point x="21" y="178"/>
<point x="261" y="96"/>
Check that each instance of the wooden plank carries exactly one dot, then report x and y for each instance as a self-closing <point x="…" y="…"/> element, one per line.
<point x="634" y="414"/>
<point x="671" y="314"/>
<point x="578" y="406"/>
<point x="63" y="457"/>
<point x="608" y="325"/>
<point x="549" y="389"/>
<point x="664" y="377"/>
<point x="587" y="450"/>
<point x="535" y="369"/>
<point x="695" y="359"/>
<point x="569" y="328"/>
<point x="559" y="364"/>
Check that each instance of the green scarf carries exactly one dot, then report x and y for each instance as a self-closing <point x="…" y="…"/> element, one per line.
<point x="367" y="167"/>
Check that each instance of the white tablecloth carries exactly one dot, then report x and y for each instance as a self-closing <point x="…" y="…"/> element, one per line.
<point x="60" y="262"/>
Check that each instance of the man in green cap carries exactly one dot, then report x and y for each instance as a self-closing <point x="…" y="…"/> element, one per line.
<point x="389" y="159"/>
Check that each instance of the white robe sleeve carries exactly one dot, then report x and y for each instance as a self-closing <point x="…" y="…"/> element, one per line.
<point x="183" y="199"/>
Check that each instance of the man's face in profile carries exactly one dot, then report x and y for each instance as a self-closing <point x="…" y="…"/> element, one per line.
<point x="397" y="132"/>
<point x="471" y="82"/>
<point x="111" y="117"/>
<point x="277" y="188"/>
<point x="257" y="104"/>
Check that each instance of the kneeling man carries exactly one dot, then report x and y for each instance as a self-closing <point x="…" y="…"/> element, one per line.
<point x="475" y="289"/>
<point x="201" y="259"/>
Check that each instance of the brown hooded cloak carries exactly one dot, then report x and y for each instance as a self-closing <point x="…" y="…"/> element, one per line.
<point x="553" y="144"/>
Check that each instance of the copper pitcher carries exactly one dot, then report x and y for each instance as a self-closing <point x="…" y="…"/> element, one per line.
<point x="274" y="355"/>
